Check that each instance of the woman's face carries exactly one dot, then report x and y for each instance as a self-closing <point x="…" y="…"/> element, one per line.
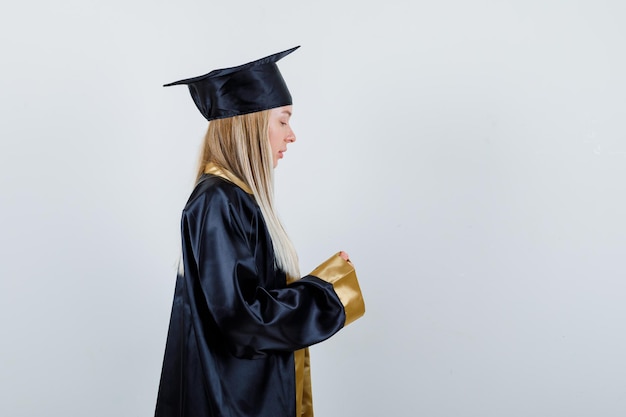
<point x="280" y="132"/>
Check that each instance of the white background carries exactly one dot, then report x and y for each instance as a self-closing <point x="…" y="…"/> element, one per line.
<point x="469" y="155"/>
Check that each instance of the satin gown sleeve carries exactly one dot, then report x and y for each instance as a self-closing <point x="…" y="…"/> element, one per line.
<point x="248" y="301"/>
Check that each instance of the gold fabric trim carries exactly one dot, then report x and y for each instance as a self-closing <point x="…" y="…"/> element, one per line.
<point x="304" y="398"/>
<point x="307" y="394"/>
<point x="342" y="276"/>
<point x="216" y="170"/>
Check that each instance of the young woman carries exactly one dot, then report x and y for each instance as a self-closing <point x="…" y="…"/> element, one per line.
<point x="242" y="317"/>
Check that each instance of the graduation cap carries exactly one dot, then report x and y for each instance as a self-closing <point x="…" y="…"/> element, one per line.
<point x="247" y="88"/>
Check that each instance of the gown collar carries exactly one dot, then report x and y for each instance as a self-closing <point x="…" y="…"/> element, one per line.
<point x="213" y="169"/>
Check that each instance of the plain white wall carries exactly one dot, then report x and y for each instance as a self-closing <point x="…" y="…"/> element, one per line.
<point x="469" y="155"/>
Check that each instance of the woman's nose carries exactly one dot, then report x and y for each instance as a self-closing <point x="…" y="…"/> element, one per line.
<point x="291" y="137"/>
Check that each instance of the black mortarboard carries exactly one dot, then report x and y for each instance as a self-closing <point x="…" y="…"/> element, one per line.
<point x="248" y="88"/>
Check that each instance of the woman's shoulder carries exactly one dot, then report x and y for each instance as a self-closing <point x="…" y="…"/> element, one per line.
<point x="215" y="191"/>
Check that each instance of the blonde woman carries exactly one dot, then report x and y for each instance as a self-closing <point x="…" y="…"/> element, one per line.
<point x="242" y="316"/>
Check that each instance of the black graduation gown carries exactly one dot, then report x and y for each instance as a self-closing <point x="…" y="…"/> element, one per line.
<point x="235" y="322"/>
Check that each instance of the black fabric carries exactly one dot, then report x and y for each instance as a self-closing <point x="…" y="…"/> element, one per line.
<point x="247" y="88"/>
<point x="235" y="323"/>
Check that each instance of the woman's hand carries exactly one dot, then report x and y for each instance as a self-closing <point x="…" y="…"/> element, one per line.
<point x="345" y="256"/>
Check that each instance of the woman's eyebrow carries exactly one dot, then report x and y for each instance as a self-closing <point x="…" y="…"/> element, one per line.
<point x="288" y="112"/>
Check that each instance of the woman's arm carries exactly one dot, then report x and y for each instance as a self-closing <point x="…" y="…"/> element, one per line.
<point x="251" y="317"/>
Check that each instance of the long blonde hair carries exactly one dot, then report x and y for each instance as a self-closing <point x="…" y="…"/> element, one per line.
<point x="240" y="144"/>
